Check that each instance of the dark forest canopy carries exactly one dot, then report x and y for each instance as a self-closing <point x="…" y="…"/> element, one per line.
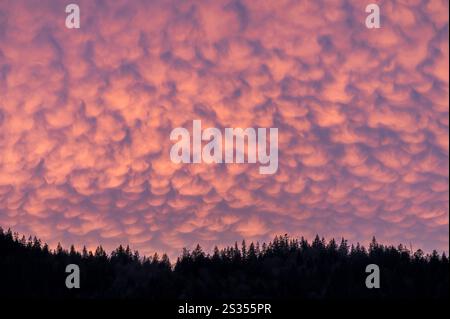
<point x="284" y="268"/>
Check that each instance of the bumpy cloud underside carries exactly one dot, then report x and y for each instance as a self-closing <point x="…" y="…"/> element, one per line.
<point x="85" y="118"/>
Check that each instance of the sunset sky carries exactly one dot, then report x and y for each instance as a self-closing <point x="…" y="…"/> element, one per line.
<point x="362" y="117"/>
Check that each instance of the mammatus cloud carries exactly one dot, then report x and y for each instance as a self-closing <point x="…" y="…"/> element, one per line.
<point x="362" y="114"/>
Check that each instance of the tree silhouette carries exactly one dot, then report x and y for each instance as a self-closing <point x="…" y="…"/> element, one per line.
<point x="283" y="268"/>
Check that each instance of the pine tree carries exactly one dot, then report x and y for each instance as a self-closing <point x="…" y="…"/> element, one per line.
<point x="252" y="253"/>
<point x="84" y="253"/>
<point x="343" y="247"/>
<point x="332" y="246"/>
<point x="59" y="249"/>
<point x="244" y="250"/>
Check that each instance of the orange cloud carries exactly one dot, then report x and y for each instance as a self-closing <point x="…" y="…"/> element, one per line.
<point x="85" y="118"/>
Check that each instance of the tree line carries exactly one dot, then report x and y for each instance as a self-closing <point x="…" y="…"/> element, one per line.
<point x="285" y="268"/>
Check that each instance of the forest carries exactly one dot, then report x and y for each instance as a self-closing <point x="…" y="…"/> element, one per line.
<point x="285" y="268"/>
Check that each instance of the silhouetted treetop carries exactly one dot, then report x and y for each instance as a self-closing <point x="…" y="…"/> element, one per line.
<point x="283" y="268"/>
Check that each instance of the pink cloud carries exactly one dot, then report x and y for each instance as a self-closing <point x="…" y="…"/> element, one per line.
<point x="85" y="118"/>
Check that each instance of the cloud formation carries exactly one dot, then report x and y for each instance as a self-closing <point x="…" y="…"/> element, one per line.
<point x="86" y="114"/>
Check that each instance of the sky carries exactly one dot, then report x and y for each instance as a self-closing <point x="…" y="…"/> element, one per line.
<point x="362" y="117"/>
